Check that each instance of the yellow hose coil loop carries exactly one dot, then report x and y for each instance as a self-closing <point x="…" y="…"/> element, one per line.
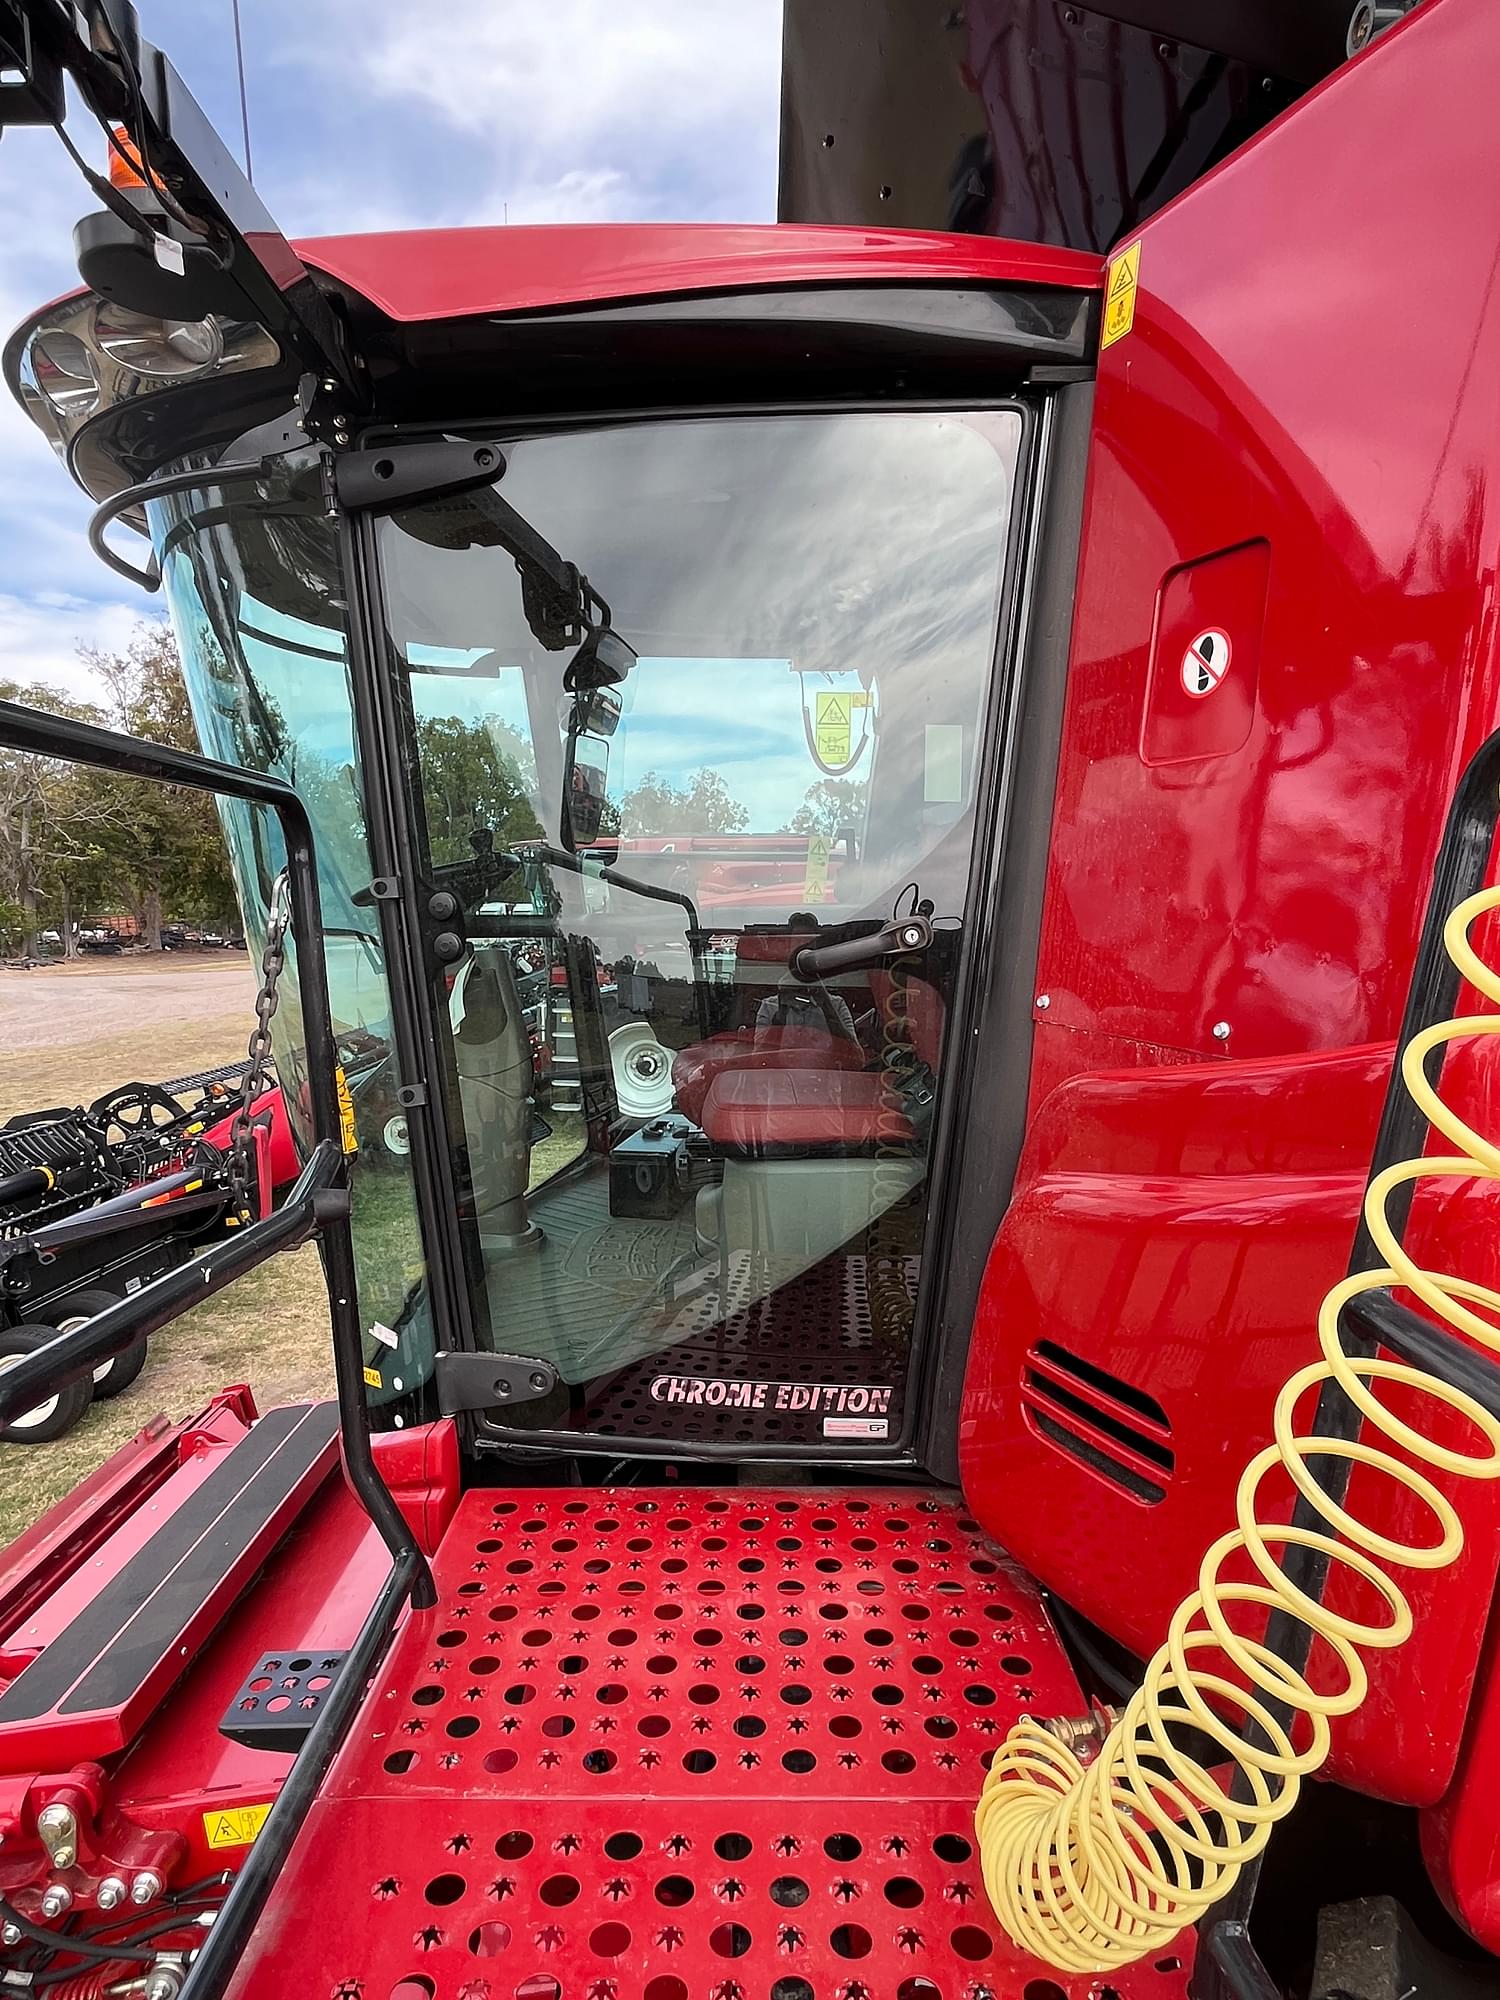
<point x="1094" y="1866"/>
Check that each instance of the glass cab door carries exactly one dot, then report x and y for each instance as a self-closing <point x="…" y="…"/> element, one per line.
<point x="689" y="1165"/>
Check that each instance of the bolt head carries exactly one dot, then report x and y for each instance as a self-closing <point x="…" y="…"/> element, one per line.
<point x="146" y="1887"/>
<point x="1222" y="1031"/>
<point x="110" y="1893"/>
<point x="9" y="1934"/>
<point x="57" y="1899"/>
<point x="1043" y="1002"/>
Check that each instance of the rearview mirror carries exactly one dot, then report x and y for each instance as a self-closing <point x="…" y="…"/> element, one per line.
<point x="583" y="805"/>
<point x="603" y="660"/>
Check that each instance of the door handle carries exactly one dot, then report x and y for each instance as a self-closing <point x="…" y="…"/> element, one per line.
<point x="892" y="940"/>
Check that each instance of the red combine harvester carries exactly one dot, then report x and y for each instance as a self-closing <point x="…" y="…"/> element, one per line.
<point x="905" y="1506"/>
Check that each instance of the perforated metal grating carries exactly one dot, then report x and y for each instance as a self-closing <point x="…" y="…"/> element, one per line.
<point x="693" y="1746"/>
<point x="817" y="1327"/>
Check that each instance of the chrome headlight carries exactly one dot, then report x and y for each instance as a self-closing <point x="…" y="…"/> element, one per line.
<point x="166" y="350"/>
<point x="86" y="355"/>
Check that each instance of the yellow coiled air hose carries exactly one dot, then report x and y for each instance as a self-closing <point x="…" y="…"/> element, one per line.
<point x="1092" y="1866"/>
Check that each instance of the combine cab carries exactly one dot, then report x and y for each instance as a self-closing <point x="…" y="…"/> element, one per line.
<point x="930" y="752"/>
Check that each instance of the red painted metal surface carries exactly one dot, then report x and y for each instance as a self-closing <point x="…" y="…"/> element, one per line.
<point x="282" y="1147"/>
<point x="1324" y="387"/>
<point x="153" y="1805"/>
<point x="654" y="1745"/>
<point x="422" y="1468"/>
<point x="445" y="273"/>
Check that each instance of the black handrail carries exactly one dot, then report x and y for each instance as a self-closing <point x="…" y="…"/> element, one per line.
<point x="1376" y="1320"/>
<point x="59" y="736"/>
<point x="318" y="1204"/>
<point x="318" y="1200"/>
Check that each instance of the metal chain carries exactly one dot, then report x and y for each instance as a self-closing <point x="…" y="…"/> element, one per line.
<point x="240" y="1163"/>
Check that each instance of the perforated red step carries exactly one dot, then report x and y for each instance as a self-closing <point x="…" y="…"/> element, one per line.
<point x="688" y="1746"/>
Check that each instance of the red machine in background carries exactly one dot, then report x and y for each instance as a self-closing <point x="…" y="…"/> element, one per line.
<point x="1089" y="663"/>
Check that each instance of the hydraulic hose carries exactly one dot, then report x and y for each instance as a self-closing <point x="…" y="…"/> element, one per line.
<point x="1093" y="1866"/>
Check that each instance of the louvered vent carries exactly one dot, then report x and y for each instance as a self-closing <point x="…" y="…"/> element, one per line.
<point x="1109" y="1425"/>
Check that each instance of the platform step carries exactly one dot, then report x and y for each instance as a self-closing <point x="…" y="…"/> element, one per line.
<point x="688" y="1745"/>
<point x="94" y="1683"/>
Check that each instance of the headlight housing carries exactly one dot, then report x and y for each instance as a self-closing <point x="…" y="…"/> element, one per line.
<point x="86" y="354"/>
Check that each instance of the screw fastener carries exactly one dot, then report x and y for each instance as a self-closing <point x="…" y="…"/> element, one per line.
<point x="110" y="1893"/>
<point x="1222" y="1031"/>
<point x="1043" y="1002"/>
<point x="146" y="1887"/>
<point x="57" y="1901"/>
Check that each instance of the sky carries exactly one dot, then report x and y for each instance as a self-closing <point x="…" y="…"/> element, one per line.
<point x="374" y="115"/>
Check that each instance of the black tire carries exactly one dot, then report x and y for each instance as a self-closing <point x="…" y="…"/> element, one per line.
<point x="112" y="1377"/>
<point x="55" y="1415"/>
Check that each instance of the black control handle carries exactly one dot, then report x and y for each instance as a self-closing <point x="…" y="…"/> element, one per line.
<point x="892" y="940"/>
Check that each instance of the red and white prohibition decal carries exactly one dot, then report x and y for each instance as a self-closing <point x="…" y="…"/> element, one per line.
<point x="1205" y="663"/>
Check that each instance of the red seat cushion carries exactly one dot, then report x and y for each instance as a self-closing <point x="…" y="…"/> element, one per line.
<point x="756" y="1109"/>
<point x="695" y="1069"/>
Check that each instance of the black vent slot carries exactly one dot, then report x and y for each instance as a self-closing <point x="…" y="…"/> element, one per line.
<point x="1106" y="1423"/>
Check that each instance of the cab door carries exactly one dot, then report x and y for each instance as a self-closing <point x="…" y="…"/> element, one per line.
<point x="690" y="723"/>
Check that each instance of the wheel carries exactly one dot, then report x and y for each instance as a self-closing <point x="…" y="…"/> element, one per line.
<point x="116" y="1374"/>
<point x="135" y="1109"/>
<point x="642" y="1071"/>
<point x="395" y="1137"/>
<point x="53" y="1416"/>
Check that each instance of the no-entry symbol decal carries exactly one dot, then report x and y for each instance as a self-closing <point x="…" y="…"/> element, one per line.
<point x="1205" y="663"/>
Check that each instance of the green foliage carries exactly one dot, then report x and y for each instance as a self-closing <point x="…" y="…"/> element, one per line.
<point x="656" y="806"/>
<point x="829" y="806"/>
<point x="74" y="839"/>
<point x="474" y="775"/>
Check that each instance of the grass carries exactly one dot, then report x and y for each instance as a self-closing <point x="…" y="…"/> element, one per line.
<point x="270" y="1329"/>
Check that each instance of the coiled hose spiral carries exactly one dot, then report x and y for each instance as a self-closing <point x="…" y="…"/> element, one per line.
<point x="1093" y="1866"/>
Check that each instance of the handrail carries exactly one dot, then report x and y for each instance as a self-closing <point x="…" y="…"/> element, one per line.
<point x="59" y="736"/>
<point x="318" y="1205"/>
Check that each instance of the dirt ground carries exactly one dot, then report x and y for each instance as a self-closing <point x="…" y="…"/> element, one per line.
<point x="68" y="1033"/>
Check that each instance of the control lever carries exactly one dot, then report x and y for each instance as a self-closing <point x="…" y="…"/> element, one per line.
<point x="892" y="940"/>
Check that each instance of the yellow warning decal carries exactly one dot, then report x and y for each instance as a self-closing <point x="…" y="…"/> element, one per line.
<point x="834" y="727"/>
<point x="372" y="1379"/>
<point x="1120" y="283"/>
<point x="815" y="877"/>
<point x="348" y="1130"/>
<point x="236" y="1828"/>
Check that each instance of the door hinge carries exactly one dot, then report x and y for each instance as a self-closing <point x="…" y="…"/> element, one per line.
<point x="489" y="1381"/>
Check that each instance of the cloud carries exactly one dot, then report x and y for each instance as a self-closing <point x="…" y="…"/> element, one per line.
<point x="39" y="642"/>
<point x="370" y="115"/>
<point x="630" y="109"/>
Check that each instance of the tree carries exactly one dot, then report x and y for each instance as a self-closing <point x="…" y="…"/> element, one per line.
<point x="656" y="806"/>
<point x="47" y="821"/>
<point x="171" y="852"/>
<point x="474" y="775"/>
<point x="829" y="806"/>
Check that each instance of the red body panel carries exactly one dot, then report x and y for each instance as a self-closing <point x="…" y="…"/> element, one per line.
<point x="152" y="1805"/>
<point x="282" y="1149"/>
<point x="447" y="273"/>
<point x="1311" y="368"/>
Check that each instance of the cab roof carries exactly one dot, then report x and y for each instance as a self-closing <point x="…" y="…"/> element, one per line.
<point x="435" y="274"/>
